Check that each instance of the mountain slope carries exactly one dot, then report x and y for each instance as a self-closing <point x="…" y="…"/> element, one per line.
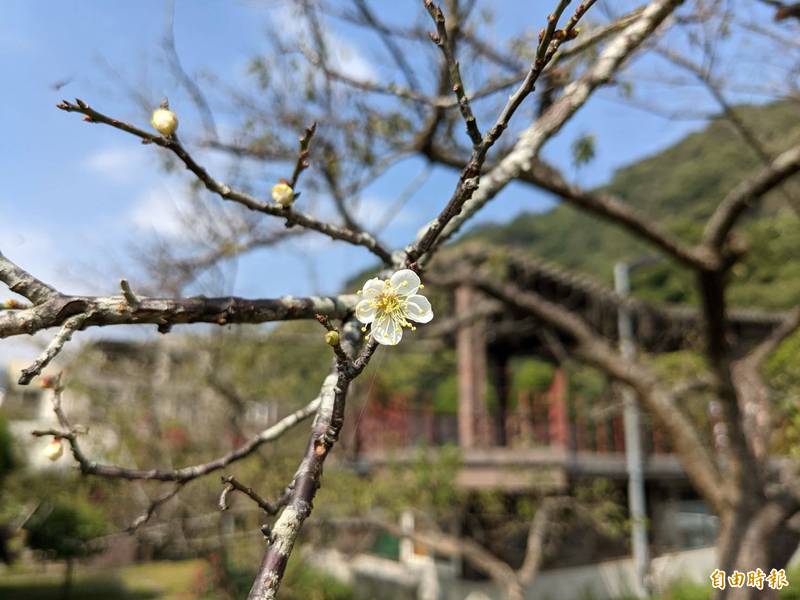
<point x="680" y="186"/>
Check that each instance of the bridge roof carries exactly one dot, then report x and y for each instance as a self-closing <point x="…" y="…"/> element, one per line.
<point x="657" y="327"/>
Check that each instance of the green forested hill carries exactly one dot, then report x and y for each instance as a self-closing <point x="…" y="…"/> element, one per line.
<point x="679" y="187"/>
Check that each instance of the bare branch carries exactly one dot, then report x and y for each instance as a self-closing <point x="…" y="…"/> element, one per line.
<point x="324" y="434"/>
<point x="586" y="40"/>
<point x="442" y="39"/>
<point x="292" y="217"/>
<point x="182" y="475"/>
<point x="127" y="292"/>
<point x="154" y="505"/>
<point x="534" y="548"/>
<point x="53" y="348"/>
<point x="452" y="546"/>
<point x="302" y="156"/>
<point x="760" y="353"/>
<point x="746" y="193"/>
<point x="705" y="77"/>
<point x="602" y="204"/>
<point x="233" y="484"/>
<point x="23" y="283"/>
<point x="388" y="41"/>
<point x="430" y="237"/>
<point x="99" y="311"/>
<point x="533" y="138"/>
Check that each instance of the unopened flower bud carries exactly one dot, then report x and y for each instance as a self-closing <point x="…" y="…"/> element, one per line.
<point x="47" y="382"/>
<point x="332" y="338"/>
<point x="283" y="194"/>
<point x="164" y="121"/>
<point x="54" y="449"/>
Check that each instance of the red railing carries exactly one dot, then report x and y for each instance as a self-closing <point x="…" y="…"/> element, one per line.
<point x="538" y="420"/>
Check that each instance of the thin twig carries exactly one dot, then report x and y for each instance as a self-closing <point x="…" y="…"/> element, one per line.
<point x="181" y="475"/>
<point x="154" y="505"/>
<point x="130" y="297"/>
<point x="302" y="156"/>
<point x="53" y="348"/>
<point x="442" y="39"/>
<point x="233" y="484"/>
<point x="291" y="217"/>
<point x="549" y="43"/>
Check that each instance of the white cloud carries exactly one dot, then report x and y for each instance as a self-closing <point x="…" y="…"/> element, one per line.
<point x="158" y="210"/>
<point x="373" y="210"/>
<point x="350" y="59"/>
<point x="120" y="163"/>
<point x="32" y="249"/>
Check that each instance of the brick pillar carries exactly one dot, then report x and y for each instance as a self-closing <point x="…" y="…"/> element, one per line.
<point x="471" y="356"/>
<point x="558" y="411"/>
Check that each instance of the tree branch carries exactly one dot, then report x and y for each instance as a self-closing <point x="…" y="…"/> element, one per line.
<point x="605" y="205"/>
<point x="182" y="475"/>
<point x="550" y="41"/>
<point x="324" y="434"/>
<point x="100" y="311"/>
<point x="53" y="348"/>
<point x="233" y="484"/>
<point x="745" y="194"/>
<point x="23" y="283"/>
<point x="532" y="139"/>
<point x="154" y="506"/>
<point x="442" y="39"/>
<point x="292" y="217"/>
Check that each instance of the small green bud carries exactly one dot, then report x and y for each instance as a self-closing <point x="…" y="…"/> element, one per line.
<point x="332" y="338"/>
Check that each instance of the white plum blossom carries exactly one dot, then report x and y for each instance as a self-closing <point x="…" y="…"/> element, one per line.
<point x="388" y="305"/>
<point x="164" y="120"/>
<point x="283" y="194"/>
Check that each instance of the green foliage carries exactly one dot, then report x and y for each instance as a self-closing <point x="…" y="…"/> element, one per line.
<point x="95" y="588"/>
<point x="303" y="582"/>
<point x="427" y="483"/>
<point x="220" y="578"/>
<point x="7" y="459"/>
<point x="445" y="396"/>
<point x="65" y="530"/>
<point x="605" y="504"/>
<point x="530" y="374"/>
<point x="583" y="150"/>
<point x="586" y="382"/>
<point x="678" y="366"/>
<point x="408" y="371"/>
<point x="783" y="374"/>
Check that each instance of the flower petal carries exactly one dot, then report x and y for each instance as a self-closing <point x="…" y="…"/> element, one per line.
<point x="373" y="288"/>
<point x="365" y="311"/>
<point x="419" y="309"/>
<point x="387" y="331"/>
<point x="405" y="282"/>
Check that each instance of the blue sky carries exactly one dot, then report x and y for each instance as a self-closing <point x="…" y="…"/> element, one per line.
<point x="76" y="197"/>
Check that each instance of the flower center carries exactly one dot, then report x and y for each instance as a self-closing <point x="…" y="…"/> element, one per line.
<point x="388" y="303"/>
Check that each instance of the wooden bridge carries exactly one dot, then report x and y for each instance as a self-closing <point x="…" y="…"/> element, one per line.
<point x="550" y="432"/>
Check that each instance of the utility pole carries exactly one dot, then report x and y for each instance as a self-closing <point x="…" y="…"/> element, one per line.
<point x="633" y="437"/>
